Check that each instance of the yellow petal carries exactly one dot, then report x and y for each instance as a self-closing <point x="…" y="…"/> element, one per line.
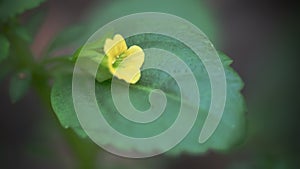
<point x="129" y="68"/>
<point x="132" y="75"/>
<point x="135" y="55"/>
<point x="135" y="78"/>
<point x="114" y="47"/>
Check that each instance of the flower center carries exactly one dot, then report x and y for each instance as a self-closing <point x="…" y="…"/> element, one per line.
<point x="118" y="60"/>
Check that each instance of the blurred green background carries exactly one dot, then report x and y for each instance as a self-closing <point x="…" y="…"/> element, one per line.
<point x="260" y="36"/>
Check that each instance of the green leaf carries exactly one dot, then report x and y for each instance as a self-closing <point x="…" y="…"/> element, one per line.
<point x="34" y="22"/>
<point x="62" y="104"/>
<point x="10" y="8"/>
<point x="4" y="48"/>
<point x="19" y="85"/>
<point x="66" y="38"/>
<point x="22" y="33"/>
<point x="194" y="11"/>
<point x="94" y="54"/>
<point x="229" y="132"/>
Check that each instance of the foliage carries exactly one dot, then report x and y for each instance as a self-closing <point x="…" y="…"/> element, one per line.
<point x="17" y="60"/>
<point x="19" y="85"/>
<point x="11" y="8"/>
<point x="4" y="47"/>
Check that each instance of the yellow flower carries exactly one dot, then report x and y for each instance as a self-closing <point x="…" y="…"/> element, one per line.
<point x="124" y="63"/>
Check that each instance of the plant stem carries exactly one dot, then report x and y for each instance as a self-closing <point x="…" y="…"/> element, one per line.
<point x="21" y="58"/>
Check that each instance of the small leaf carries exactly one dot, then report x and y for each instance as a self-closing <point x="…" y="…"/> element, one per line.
<point x="19" y="85"/>
<point x="92" y="53"/>
<point x="23" y="33"/>
<point x="34" y="22"/>
<point x="4" y="48"/>
<point x="63" y="106"/>
<point x="66" y="38"/>
<point x="10" y="8"/>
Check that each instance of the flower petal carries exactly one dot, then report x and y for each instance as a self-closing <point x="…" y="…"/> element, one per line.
<point x="135" y="55"/>
<point x="129" y="75"/>
<point x="129" y="68"/>
<point x="114" y="47"/>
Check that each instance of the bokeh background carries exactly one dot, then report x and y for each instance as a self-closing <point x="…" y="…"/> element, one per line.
<point x="262" y="37"/>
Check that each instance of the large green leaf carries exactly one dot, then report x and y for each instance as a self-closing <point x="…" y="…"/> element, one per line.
<point x="229" y="132"/>
<point x="10" y="8"/>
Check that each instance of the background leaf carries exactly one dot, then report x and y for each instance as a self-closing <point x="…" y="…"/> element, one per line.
<point x="4" y="47"/>
<point x="33" y="23"/>
<point x="10" y="8"/>
<point x="66" y="38"/>
<point x="229" y="132"/>
<point x="19" y="85"/>
<point x="192" y="10"/>
<point x="23" y="33"/>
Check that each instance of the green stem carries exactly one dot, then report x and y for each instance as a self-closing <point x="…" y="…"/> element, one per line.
<point x="83" y="149"/>
<point x="22" y="58"/>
